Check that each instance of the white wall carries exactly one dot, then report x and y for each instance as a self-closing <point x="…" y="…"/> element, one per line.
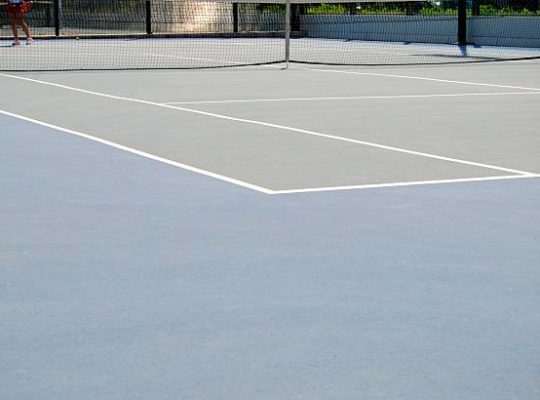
<point x="494" y="31"/>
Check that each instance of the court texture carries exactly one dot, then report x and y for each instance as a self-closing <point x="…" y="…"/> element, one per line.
<point x="258" y="233"/>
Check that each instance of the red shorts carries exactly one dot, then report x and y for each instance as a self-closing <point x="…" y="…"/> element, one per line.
<point x="18" y="10"/>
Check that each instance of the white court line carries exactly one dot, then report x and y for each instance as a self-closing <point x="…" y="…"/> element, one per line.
<point x="337" y="71"/>
<point x="389" y="97"/>
<point x="255" y="187"/>
<point x="277" y="126"/>
<point x="142" y="153"/>
<point x="401" y="184"/>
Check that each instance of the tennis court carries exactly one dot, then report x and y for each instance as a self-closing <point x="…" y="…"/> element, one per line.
<point x="263" y="232"/>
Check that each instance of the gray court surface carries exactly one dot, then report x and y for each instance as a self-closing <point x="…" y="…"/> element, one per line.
<point x="315" y="233"/>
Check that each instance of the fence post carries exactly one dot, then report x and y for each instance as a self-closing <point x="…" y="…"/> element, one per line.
<point x="235" y="17"/>
<point x="475" y="7"/>
<point x="57" y="12"/>
<point x="148" y="17"/>
<point x="462" y="22"/>
<point x="295" y="13"/>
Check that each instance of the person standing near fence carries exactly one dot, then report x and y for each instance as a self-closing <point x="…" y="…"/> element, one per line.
<point x="17" y="9"/>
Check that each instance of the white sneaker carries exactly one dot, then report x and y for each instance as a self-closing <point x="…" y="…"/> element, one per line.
<point x="29" y="41"/>
<point x="16" y="43"/>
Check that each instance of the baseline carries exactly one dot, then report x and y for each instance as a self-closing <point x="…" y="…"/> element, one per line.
<point x="402" y="184"/>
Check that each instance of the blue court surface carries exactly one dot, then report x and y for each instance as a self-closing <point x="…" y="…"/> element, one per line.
<point x="124" y="277"/>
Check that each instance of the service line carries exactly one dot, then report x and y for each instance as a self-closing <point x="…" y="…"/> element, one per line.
<point x="402" y="184"/>
<point x="338" y="71"/>
<point x="344" y="98"/>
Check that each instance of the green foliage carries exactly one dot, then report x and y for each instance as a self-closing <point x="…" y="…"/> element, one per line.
<point x="373" y="9"/>
<point x="272" y="8"/>
<point x="334" y="9"/>
<point x="437" y="10"/>
<point x="398" y="8"/>
<point x="488" y="9"/>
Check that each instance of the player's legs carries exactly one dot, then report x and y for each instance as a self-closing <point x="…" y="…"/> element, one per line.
<point x="14" y="29"/>
<point x="24" y="26"/>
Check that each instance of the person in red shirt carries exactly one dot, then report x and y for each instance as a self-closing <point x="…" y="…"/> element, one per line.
<point x="16" y="10"/>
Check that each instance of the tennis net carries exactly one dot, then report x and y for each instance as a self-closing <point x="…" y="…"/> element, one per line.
<point x="143" y="34"/>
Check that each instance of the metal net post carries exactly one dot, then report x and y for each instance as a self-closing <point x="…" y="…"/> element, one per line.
<point x="287" y="33"/>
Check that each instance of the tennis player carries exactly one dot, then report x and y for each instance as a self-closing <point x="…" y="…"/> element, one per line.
<point x="16" y="10"/>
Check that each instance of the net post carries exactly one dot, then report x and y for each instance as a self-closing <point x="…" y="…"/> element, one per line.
<point x="148" y="16"/>
<point x="57" y="4"/>
<point x="462" y="22"/>
<point x="287" y="33"/>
